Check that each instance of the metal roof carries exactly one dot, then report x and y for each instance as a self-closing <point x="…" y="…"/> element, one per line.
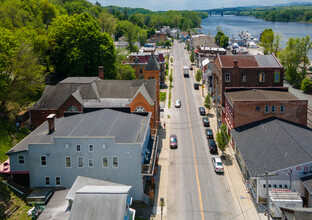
<point x="124" y="127"/>
<point x="152" y="64"/>
<point x="274" y="144"/>
<point x="307" y="182"/>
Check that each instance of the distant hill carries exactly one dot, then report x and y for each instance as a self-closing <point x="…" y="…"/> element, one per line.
<point x="129" y="10"/>
<point x="295" y="4"/>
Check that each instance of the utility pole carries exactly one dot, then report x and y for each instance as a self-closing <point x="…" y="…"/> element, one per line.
<point x="266" y="176"/>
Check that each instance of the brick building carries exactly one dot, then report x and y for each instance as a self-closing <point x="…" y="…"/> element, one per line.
<point x="158" y="37"/>
<point x="246" y="71"/>
<point x="247" y="106"/>
<point x="139" y="62"/>
<point x="82" y="94"/>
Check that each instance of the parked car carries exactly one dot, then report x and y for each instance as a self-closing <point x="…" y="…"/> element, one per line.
<point x="209" y="134"/>
<point x="191" y="67"/>
<point x="212" y="146"/>
<point x="173" y="141"/>
<point x="206" y="122"/>
<point x="202" y="111"/>
<point x="177" y="103"/>
<point x="217" y="164"/>
<point x="196" y="86"/>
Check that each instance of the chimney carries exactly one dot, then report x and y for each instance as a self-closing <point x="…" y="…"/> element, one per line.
<point x="235" y="63"/>
<point x="51" y="123"/>
<point x="101" y="72"/>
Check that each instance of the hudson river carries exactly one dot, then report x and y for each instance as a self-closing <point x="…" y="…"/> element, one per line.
<point x="233" y="25"/>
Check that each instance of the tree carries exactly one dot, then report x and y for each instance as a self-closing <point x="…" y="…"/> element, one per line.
<point x="21" y="77"/>
<point x="208" y="103"/>
<point x="192" y="56"/>
<point x="167" y="43"/>
<point x="224" y="41"/>
<point x="108" y="22"/>
<point x="137" y="19"/>
<point x="306" y="85"/>
<point x="267" y="40"/>
<point x="304" y="48"/>
<point x="129" y="30"/>
<point x="276" y="43"/>
<point x="170" y="79"/>
<point x="47" y="12"/>
<point x="222" y="138"/>
<point x="79" y="48"/>
<point x="198" y="75"/>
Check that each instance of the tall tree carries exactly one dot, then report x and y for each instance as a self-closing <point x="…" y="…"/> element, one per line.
<point x="198" y="75"/>
<point x="79" y="47"/>
<point x="47" y="12"/>
<point x="222" y="138"/>
<point x="130" y="31"/>
<point x="267" y="40"/>
<point x="108" y="22"/>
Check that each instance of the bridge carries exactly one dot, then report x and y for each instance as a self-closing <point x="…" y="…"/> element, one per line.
<point x="223" y="11"/>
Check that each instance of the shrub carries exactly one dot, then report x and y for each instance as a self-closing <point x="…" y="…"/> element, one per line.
<point x="306" y="85"/>
<point x="162" y="96"/>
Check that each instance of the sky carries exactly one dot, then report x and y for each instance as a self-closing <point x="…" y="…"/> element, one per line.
<point x="164" y="5"/>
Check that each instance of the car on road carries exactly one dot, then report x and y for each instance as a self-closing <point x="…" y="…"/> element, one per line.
<point x="202" y="111"/>
<point x="177" y="103"/>
<point x="217" y="164"/>
<point x="212" y="146"/>
<point x="206" y="122"/>
<point x="196" y="86"/>
<point x="209" y="133"/>
<point x="173" y="141"/>
<point x="191" y="67"/>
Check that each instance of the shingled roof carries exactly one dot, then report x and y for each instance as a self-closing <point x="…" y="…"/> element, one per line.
<point x="152" y="64"/>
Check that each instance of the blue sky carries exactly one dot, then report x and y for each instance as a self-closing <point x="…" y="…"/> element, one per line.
<point x="157" y="5"/>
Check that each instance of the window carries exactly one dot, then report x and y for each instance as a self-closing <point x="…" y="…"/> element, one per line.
<point x="115" y="162"/>
<point x="91" y="147"/>
<point x="264" y="186"/>
<point x="21" y="159"/>
<point x="72" y="108"/>
<point x="261" y="77"/>
<point x="273" y="108"/>
<point x="282" y="108"/>
<point x="43" y="160"/>
<point x="243" y="77"/>
<point x="105" y="161"/>
<point x="280" y="186"/>
<point x="80" y="162"/>
<point x="276" y="76"/>
<point x="227" y="77"/>
<point x="267" y="109"/>
<point x="275" y="186"/>
<point x="57" y="181"/>
<point x="90" y="162"/>
<point x="286" y="186"/>
<point x="270" y="186"/>
<point x="47" y="180"/>
<point x="139" y="109"/>
<point x="67" y="162"/>
<point x="78" y="147"/>
<point x="258" y="108"/>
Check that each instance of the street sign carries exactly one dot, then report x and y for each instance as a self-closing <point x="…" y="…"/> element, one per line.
<point x="203" y="86"/>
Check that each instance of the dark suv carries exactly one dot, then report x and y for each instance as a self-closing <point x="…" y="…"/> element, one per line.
<point x="196" y="86"/>
<point x="209" y="134"/>
<point x="202" y="111"/>
<point x="212" y="146"/>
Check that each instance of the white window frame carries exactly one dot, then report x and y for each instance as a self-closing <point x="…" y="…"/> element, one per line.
<point x="46" y="160"/>
<point x="69" y="161"/>
<point x="282" y="109"/>
<point x="56" y="181"/>
<point x="267" y="109"/>
<point x="140" y="109"/>
<point x="89" y="163"/>
<point x="78" y="145"/>
<point x="258" y="106"/>
<point x="19" y="159"/>
<point x="45" y="181"/>
<point x="225" y="77"/>
<point x="91" y="145"/>
<point x="244" y="77"/>
<point x="273" y="109"/>
<point x="103" y="162"/>
<point x="113" y="162"/>
<point x="78" y="162"/>
<point x="263" y="78"/>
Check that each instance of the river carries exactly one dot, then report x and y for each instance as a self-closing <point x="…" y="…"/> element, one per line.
<point x="232" y="25"/>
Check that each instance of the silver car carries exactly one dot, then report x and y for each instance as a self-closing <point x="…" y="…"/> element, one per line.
<point x="217" y="164"/>
<point x="178" y="103"/>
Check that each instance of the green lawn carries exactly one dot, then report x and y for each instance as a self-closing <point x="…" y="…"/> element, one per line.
<point x="162" y="96"/>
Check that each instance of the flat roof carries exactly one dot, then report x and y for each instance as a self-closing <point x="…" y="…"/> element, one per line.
<point x="250" y="61"/>
<point x="259" y="94"/>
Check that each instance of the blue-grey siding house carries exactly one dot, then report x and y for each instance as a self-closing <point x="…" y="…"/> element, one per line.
<point x="105" y="144"/>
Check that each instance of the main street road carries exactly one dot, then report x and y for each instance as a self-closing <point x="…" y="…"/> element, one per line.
<point x="195" y="191"/>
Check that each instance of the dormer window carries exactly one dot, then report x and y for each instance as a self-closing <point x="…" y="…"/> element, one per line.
<point x="243" y="78"/>
<point x="136" y="59"/>
<point x="72" y="108"/>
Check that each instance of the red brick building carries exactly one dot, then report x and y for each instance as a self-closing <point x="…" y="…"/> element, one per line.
<point x="158" y="37"/>
<point x="246" y="71"/>
<point x="247" y="106"/>
<point x="139" y="62"/>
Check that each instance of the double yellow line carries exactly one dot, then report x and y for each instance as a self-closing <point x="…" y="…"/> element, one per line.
<point x="193" y="145"/>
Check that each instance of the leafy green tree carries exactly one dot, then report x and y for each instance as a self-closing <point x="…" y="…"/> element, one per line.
<point x="137" y="19"/>
<point x="171" y="59"/>
<point x="304" y="48"/>
<point x="47" y="12"/>
<point x="222" y="138"/>
<point x="224" y="41"/>
<point x="306" y="85"/>
<point x="208" y="103"/>
<point x="192" y="56"/>
<point x="108" y="22"/>
<point x="142" y="36"/>
<point x="78" y="47"/>
<point x="198" y="75"/>
<point x="276" y="43"/>
<point x="150" y="32"/>
<point x="21" y="77"/>
<point x="267" y="40"/>
<point x="167" y="43"/>
<point x="130" y="31"/>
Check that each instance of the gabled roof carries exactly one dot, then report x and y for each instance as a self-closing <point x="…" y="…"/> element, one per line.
<point x="142" y="58"/>
<point x="249" y="61"/>
<point x="145" y="94"/>
<point x="274" y="144"/>
<point x="152" y="64"/>
<point x="124" y="127"/>
<point x="94" y="92"/>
